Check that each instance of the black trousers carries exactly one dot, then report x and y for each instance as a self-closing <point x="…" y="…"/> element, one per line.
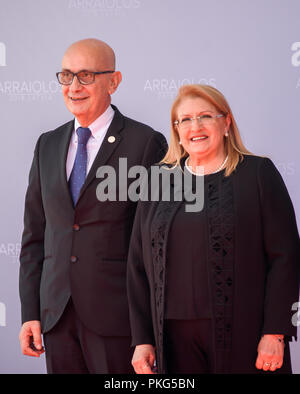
<point x="71" y="348"/>
<point x="188" y="346"/>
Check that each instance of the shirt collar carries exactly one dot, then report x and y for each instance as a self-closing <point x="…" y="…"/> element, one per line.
<point x="99" y="124"/>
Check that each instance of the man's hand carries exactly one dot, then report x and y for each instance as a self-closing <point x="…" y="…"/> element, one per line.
<point x="270" y="352"/>
<point x="31" y="339"/>
<point x="143" y="359"/>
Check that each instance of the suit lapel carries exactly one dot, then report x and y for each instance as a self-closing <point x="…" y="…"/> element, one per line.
<point x="62" y="158"/>
<point x="107" y="148"/>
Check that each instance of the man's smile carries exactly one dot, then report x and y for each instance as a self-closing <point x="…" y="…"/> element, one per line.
<point x="78" y="98"/>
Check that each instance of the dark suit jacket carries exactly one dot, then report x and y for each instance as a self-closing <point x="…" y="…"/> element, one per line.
<point x="82" y="251"/>
<point x="252" y="256"/>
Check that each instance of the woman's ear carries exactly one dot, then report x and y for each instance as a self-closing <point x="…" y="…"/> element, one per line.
<point x="228" y="121"/>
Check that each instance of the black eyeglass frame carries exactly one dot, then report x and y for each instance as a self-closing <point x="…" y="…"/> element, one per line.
<point x="76" y="75"/>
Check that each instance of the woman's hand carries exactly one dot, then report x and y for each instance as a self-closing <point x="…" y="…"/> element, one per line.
<point x="270" y="352"/>
<point x="143" y="359"/>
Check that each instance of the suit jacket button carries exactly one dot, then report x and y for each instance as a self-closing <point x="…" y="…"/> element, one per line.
<point x="76" y="227"/>
<point x="73" y="259"/>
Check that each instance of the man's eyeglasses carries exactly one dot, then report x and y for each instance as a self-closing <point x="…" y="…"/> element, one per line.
<point x="84" y="77"/>
<point x="204" y="120"/>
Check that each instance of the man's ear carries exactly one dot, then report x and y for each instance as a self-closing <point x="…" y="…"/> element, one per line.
<point x="115" y="80"/>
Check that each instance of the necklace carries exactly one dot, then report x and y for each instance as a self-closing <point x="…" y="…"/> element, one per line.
<point x="194" y="173"/>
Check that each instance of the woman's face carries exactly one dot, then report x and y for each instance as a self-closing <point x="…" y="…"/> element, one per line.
<point x="202" y="138"/>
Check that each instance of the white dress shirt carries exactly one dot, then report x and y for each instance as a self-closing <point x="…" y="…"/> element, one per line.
<point x="98" y="129"/>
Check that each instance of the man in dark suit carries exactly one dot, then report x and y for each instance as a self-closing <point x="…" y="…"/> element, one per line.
<point x="74" y="247"/>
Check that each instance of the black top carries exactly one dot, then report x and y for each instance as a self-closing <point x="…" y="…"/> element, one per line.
<point x="187" y="277"/>
<point x="252" y="255"/>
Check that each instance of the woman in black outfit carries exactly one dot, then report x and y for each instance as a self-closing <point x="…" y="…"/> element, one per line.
<point x="212" y="291"/>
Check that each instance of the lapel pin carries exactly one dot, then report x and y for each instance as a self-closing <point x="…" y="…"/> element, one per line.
<point x="111" y="139"/>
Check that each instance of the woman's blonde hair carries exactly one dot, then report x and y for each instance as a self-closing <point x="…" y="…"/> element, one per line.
<point x="233" y="144"/>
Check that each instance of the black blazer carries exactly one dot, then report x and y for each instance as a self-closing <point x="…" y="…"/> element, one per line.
<point x="252" y="255"/>
<point x="82" y="251"/>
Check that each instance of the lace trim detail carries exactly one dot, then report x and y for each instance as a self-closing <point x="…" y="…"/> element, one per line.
<point x="159" y="233"/>
<point x="220" y="211"/>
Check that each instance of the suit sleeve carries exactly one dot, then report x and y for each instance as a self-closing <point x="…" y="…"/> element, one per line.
<point x="155" y="150"/>
<point x="32" y="246"/>
<point x="282" y="247"/>
<point x="138" y="289"/>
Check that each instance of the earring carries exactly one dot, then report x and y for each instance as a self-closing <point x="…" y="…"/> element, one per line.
<point x="226" y="134"/>
<point x="179" y="142"/>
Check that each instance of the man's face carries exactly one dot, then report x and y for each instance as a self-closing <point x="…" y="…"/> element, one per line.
<point x="86" y="102"/>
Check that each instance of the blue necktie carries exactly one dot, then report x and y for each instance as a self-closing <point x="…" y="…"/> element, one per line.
<point x="78" y="173"/>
